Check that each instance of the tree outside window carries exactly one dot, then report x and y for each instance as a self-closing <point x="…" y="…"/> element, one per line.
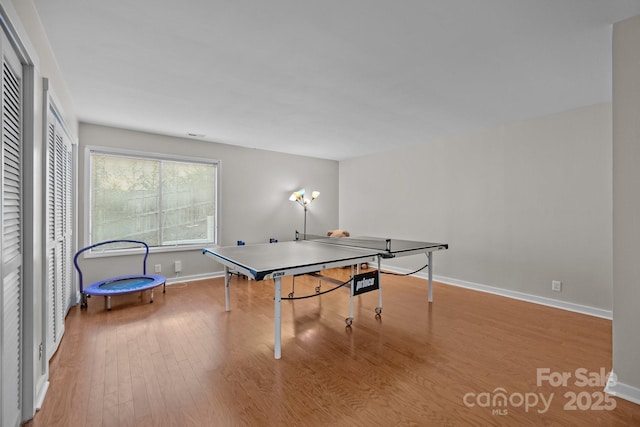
<point x="163" y="202"/>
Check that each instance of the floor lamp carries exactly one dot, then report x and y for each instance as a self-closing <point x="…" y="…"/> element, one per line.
<point x="298" y="197"/>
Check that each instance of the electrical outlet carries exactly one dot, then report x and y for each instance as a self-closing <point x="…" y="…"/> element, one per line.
<point x="158" y="268"/>
<point x="556" y="285"/>
<point x="178" y="265"/>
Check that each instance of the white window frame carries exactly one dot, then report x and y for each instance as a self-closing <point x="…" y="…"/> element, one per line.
<point x="90" y="150"/>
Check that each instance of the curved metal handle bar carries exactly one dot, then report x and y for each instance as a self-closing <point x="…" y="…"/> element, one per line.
<point x="75" y="258"/>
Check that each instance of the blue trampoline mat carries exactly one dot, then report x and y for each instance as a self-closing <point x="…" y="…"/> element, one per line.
<point x="124" y="285"/>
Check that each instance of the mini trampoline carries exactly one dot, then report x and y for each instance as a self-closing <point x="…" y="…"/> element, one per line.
<point x="122" y="284"/>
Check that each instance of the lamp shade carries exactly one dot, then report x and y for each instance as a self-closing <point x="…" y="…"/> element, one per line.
<point x="297" y="196"/>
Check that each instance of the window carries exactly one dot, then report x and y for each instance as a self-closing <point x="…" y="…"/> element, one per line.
<point x="163" y="201"/>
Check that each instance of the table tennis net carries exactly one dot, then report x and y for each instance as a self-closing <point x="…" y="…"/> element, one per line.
<point x="376" y="243"/>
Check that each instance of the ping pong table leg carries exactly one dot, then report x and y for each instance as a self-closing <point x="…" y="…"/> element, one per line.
<point x="379" y="309"/>
<point x="276" y="320"/>
<point x="227" y="301"/>
<point x="349" y="319"/>
<point x="430" y="274"/>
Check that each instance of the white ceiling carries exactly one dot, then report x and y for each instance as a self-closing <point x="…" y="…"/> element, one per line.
<point x="333" y="79"/>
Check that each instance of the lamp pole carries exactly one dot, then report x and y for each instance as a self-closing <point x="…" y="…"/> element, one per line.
<point x="305" y="223"/>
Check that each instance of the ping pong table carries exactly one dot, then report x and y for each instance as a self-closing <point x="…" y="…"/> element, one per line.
<point x="313" y="255"/>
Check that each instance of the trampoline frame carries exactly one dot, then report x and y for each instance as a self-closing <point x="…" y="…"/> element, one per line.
<point x="94" y="288"/>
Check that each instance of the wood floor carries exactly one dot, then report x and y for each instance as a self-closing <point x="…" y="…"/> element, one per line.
<point x="184" y="361"/>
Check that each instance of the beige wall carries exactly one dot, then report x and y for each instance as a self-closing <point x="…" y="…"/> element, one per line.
<point x="520" y="205"/>
<point x="255" y="186"/>
<point x="626" y="208"/>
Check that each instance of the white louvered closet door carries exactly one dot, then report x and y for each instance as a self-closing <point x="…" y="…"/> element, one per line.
<point x="11" y="237"/>
<point x="59" y="226"/>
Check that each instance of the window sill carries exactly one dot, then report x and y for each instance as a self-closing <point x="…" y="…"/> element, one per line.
<point x="152" y="250"/>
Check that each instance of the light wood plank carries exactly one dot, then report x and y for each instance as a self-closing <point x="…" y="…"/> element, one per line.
<point x="183" y="360"/>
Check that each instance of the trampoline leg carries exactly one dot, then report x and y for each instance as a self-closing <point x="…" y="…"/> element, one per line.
<point x="83" y="301"/>
<point x="164" y="288"/>
<point x="107" y="303"/>
<point x="151" y="300"/>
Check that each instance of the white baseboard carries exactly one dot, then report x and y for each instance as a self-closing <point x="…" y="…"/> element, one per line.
<point x="621" y="390"/>
<point x="180" y="279"/>
<point x="583" y="309"/>
<point x="41" y="392"/>
<point x="194" y="277"/>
